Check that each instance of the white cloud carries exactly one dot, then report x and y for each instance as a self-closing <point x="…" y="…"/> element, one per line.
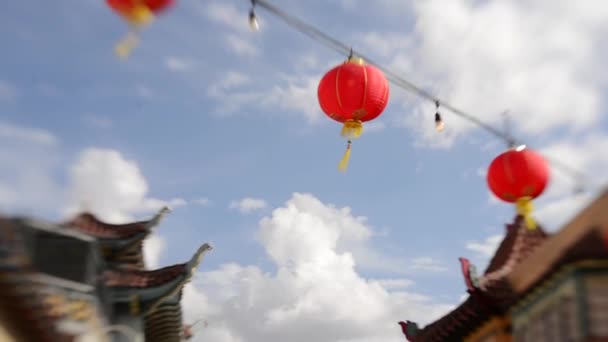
<point x="177" y="64"/>
<point x="315" y="293"/>
<point x="26" y="181"/>
<point x="231" y="79"/>
<point x="240" y="38"/>
<point x="227" y="15"/>
<point x="110" y="186"/>
<point x="152" y="204"/>
<point x="26" y="134"/>
<point x="241" y="45"/>
<point x="203" y="201"/>
<point x="29" y="157"/>
<point x="427" y="264"/>
<point x="8" y="92"/>
<point x="248" y="205"/>
<point x="374" y="126"/>
<point x="587" y="155"/>
<point x="506" y="58"/>
<point x="487" y="247"/>
<point x="295" y="94"/>
<point x="392" y="284"/>
<point x="154" y="247"/>
<point x="105" y="183"/>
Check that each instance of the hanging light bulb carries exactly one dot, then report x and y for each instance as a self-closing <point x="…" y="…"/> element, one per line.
<point x="253" y="20"/>
<point x="439" y="125"/>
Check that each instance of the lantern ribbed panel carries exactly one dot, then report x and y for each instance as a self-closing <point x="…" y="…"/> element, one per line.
<point x="517" y="174"/>
<point x="352" y="91"/>
<point x="126" y="6"/>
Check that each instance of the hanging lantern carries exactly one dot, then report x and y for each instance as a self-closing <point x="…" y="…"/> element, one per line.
<point x="518" y="176"/>
<point x="353" y="93"/>
<point x="137" y="13"/>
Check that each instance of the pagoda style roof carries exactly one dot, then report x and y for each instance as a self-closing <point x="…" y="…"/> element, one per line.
<point x="142" y="279"/>
<point x="584" y="238"/>
<point x="158" y="295"/>
<point x="489" y="294"/>
<point x="121" y="244"/>
<point x="34" y="305"/>
<point x="151" y="288"/>
<point x="90" y="224"/>
<point x="165" y="323"/>
<point x="155" y="294"/>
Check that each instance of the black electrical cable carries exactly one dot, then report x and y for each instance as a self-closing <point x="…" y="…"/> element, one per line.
<point x="327" y="40"/>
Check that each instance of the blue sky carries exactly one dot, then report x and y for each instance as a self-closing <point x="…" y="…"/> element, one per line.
<point x="205" y="109"/>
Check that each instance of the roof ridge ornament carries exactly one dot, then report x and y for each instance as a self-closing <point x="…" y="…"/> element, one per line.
<point x="197" y="258"/>
<point x="410" y="329"/>
<point x="155" y="221"/>
<point x="190" y="267"/>
<point x="469" y="271"/>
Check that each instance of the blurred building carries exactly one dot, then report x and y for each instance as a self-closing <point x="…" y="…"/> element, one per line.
<point x="85" y="280"/>
<point x="537" y="287"/>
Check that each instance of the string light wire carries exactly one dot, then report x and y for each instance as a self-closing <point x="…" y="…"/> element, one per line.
<point x="335" y="44"/>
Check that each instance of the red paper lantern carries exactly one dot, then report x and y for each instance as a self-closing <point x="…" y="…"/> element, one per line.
<point x="137" y="13"/>
<point x="518" y="176"/>
<point x="353" y="93"/>
<point x="128" y="7"/>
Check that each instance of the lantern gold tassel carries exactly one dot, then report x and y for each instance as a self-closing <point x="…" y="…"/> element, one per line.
<point x="352" y="129"/>
<point x="126" y="45"/>
<point x="344" y="162"/>
<point x="139" y="17"/>
<point x="524" y="208"/>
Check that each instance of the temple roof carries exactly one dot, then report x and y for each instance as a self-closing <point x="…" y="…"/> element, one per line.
<point x="143" y="279"/>
<point x="152" y="288"/>
<point x="90" y="224"/>
<point x="457" y="324"/>
<point x="580" y="239"/>
<point x="121" y="244"/>
<point x="592" y="245"/>
<point x="490" y="293"/>
<point x="165" y="324"/>
<point x="33" y="305"/>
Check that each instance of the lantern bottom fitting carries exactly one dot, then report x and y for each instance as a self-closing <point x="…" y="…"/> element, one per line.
<point x="352" y="129"/>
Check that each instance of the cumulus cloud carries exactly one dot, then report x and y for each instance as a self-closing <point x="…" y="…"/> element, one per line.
<point x="315" y="293"/>
<point x="104" y="182"/>
<point x="248" y="205"/>
<point x="109" y="185"/>
<point x="154" y="247"/>
<point x="489" y="56"/>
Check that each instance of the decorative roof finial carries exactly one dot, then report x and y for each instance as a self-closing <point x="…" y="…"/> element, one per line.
<point x="198" y="256"/>
<point x="158" y="217"/>
<point x="410" y="329"/>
